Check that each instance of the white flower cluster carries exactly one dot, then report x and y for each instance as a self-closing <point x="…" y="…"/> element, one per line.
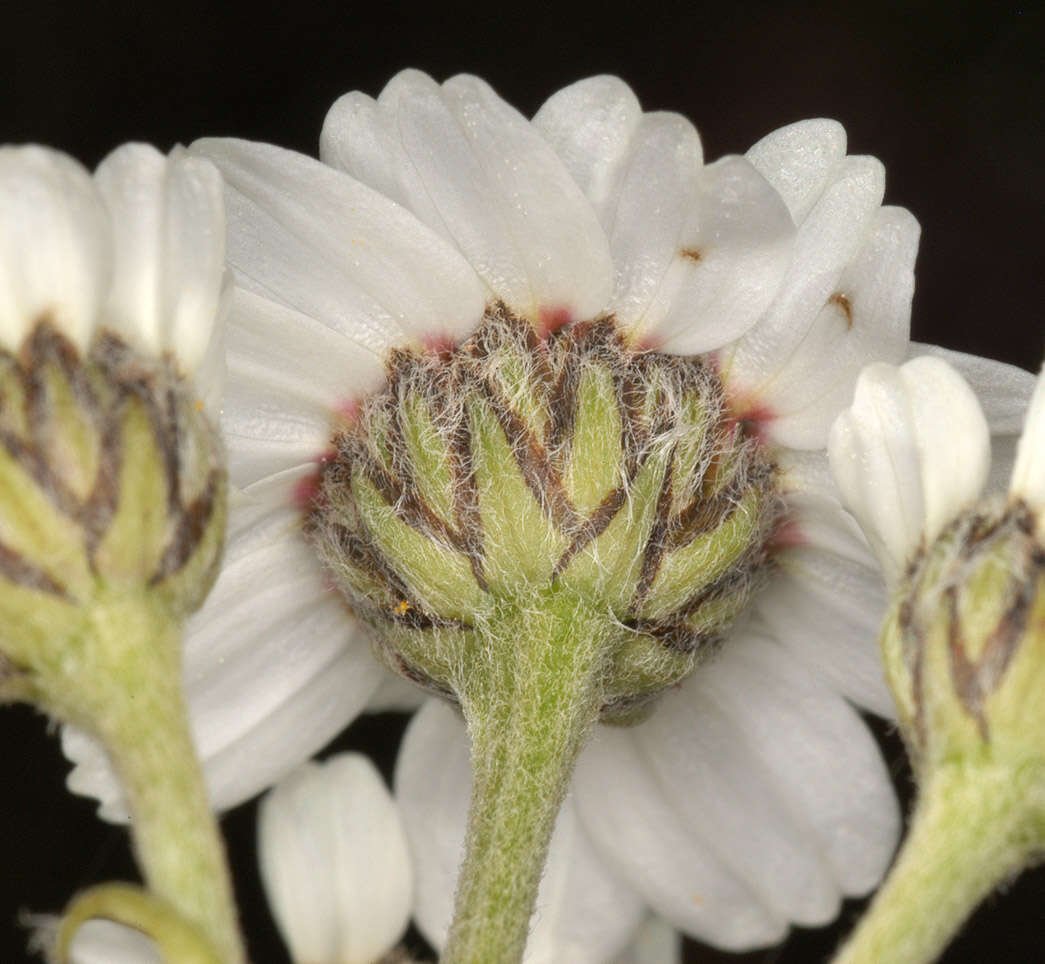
<point x="754" y="798"/>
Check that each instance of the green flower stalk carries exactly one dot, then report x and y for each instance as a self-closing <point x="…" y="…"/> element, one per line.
<point x="964" y="651"/>
<point x="550" y="532"/>
<point x="113" y="489"/>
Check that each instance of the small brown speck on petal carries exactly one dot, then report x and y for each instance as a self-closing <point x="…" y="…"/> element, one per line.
<point x="843" y="302"/>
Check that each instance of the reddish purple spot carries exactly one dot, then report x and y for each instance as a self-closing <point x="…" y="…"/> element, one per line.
<point x="306" y="491"/>
<point x="551" y="319"/>
<point x="645" y="342"/>
<point x="348" y="411"/>
<point x="751" y="416"/>
<point x="438" y="343"/>
<point x="787" y="535"/>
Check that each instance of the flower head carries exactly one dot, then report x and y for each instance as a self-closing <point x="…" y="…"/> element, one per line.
<point x="963" y="646"/>
<point x="113" y="290"/>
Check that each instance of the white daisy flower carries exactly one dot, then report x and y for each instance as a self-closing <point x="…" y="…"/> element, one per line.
<point x="126" y="268"/>
<point x="753" y="797"/>
<point x="913" y="451"/>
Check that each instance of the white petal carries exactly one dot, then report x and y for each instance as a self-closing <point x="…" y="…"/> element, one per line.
<point x="799" y="160"/>
<point x="55" y="246"/>
<point x="723" y="788"/>
<point x="432" y="786"/>
<point x="334" y="861"/>
<point x="1028" y="474"/>
<point x="817" y="752"/>
<point x="358" y="138"/>
<point x="209" y="379"/>
<point x="322" y="243"/>
<point x="295" y="356"/>
<point x="1003" y="391"/>
<point x="92" y="774"/>
<point x="913" y="450"/>
<point x="169" y="285"/>
<point x="397" y="695"/>
<point x="699" y="251"/>
<point x="804" y="470"/>
<point x="591" y="124"/>
<point x="827" y="607"/>
<point x="826" y="598"/>
<point x="274" y="659"/>
<point x="867" y="318"/>
<point x="845" y="301"/>
<point x="274" y="666"/>
<point x="655" y="942"/>
<point x="106" y="942"/>
<point x="743" y="236"/>
<point x="647" y="836"/>
<point x="477" y="172"/>
<point x="647" y="217"/>
<point x="584" y="913"/>
<point x="287" y="376"/>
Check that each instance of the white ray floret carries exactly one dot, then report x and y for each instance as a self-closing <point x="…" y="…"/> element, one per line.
<point x="334" y="860"/>
<point x="911" y="452"/>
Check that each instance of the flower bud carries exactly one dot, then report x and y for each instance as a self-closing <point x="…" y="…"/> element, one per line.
<point x="113" y="485"/>
<point x="965" y="644"/>
<point x="514" y="466"/>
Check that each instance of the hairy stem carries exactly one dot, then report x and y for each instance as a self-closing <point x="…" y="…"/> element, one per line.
<point x="969" y="833"/>
<point x="143" y="724"/>
<point x="530" y="697"/>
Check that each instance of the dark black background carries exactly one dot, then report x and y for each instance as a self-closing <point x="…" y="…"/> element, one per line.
<point x="950" y="97"/>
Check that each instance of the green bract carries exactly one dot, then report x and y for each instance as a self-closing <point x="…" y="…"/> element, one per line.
<point x="965" y="648"/>
<point x="484" y="482"/>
